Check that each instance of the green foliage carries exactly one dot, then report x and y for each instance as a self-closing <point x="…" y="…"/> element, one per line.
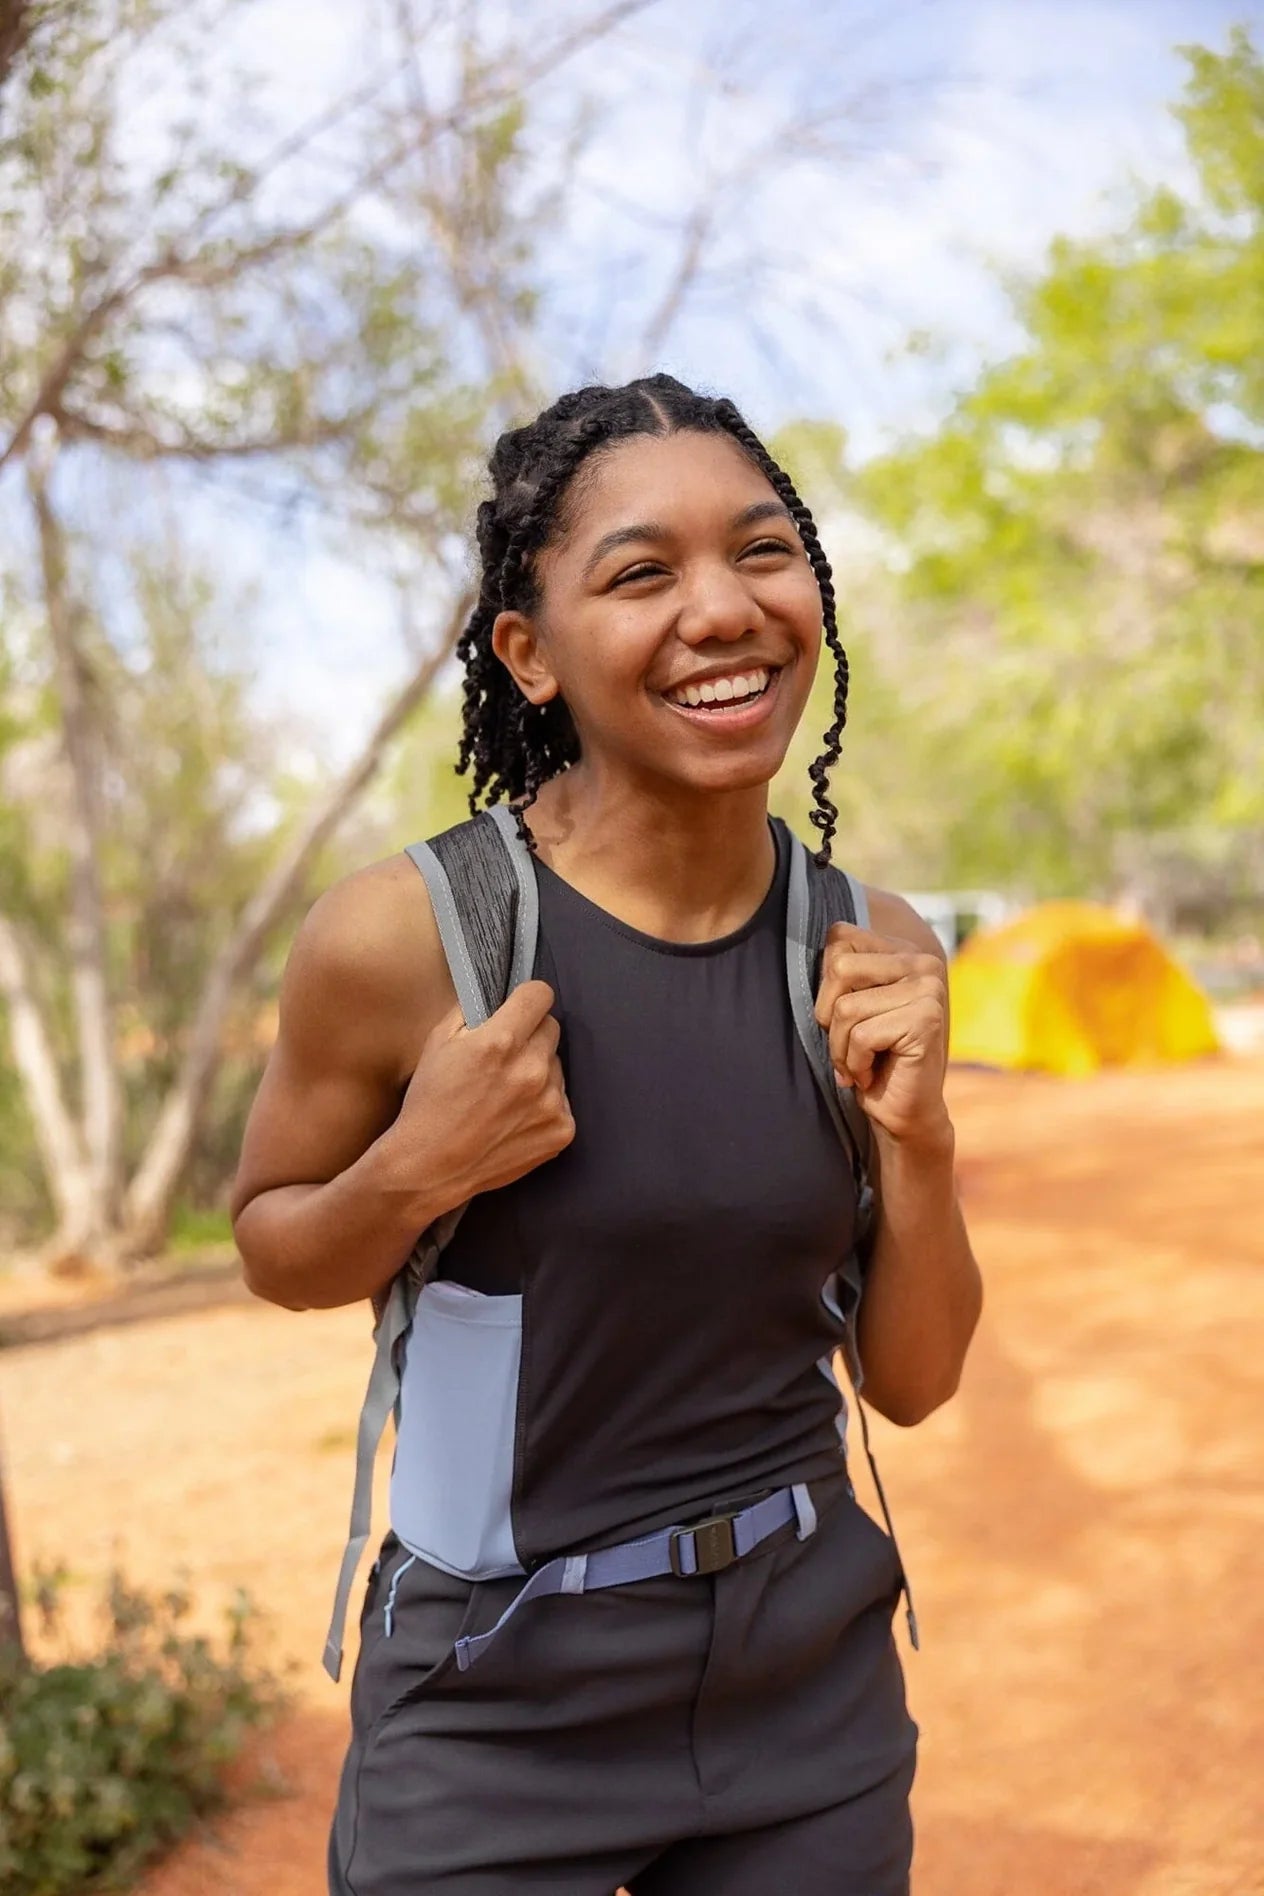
<point x="104" y="1762"/>
<point x="1072" y="630"/>
<point x="196" y="1227"/>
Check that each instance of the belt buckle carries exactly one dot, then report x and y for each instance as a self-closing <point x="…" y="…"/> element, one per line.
<point x="714" y="1546"/>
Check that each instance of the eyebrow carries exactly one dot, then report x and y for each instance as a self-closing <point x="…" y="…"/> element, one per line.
<point x="654" y="530"/>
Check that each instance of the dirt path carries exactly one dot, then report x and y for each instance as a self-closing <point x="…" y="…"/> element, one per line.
<point x="1084" y="1524"/>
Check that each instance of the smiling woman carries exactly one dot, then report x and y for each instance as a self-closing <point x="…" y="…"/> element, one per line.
<point x="620" y="1482"/>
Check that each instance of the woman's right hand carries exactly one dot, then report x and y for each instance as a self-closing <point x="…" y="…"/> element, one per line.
<point x="485" y="1104"/>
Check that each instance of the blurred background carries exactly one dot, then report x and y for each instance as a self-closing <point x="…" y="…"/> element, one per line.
<point x="989" y="278"/>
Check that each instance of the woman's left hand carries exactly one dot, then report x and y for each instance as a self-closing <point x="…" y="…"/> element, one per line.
<point x="884" y="1004"/>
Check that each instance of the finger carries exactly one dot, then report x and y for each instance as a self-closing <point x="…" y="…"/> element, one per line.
<point x="846" y="974"/>
<point x="851" y="1009"/>
<point x="451" y="1023"/>
<point x="914" y="1029"/>
<point x="525" y="1008"/>
<point x="547" y="1035"/>
<point x="855" y="940"/>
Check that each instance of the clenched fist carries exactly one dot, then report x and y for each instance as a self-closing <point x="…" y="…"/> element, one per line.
<point x="884" y="1005"/>
<point x="485" y="1104"/>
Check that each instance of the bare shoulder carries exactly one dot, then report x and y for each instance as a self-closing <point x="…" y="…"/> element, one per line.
<point x="366" y="974"/>
<point x="890" y="914"/>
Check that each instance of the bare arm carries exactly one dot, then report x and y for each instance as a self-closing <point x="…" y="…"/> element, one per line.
<point x="321" y="1213"/>
<point x="379" y="1109"/>
<point x="886" y="997"/>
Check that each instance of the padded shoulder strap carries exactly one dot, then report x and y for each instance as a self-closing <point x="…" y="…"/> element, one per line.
<point x="483" y="891"/>
<point x="817" y="899"/>
<point x="484" y="896"/>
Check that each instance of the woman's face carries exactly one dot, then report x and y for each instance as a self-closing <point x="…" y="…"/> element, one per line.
<point x="677" y="615"/>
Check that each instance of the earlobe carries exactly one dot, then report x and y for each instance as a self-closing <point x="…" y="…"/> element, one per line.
<point x="516" y="643"/>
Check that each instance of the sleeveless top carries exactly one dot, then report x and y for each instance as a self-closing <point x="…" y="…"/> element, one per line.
<point x="635" y="1331"/>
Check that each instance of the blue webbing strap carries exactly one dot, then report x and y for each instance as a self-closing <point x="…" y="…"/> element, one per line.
<point x="648" y="1558"/>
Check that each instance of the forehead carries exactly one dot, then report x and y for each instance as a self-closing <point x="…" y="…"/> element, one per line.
<point x="686" y="481"/>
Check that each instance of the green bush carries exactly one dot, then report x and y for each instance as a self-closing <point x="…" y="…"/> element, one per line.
<point x="105" y="1761"/>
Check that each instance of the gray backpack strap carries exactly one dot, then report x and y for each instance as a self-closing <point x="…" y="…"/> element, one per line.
<point x="483" y="892"/>
<point x="812" y="906"/>
<point x="817" y="899"/>
<point x="379" y="1401"/>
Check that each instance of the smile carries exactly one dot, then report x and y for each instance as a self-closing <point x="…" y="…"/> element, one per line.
<point x="736" y="701"/>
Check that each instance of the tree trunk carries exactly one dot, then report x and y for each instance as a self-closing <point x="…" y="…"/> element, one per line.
<point x="101" y="1104"/>
<point x="151" y="1194"/>
<point x="10" y="1611"/>
<point x="57" y="1135"/>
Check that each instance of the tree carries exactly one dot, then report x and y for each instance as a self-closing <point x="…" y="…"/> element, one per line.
<point x="328" y="319"/>
<point x="191" y="319"/>
<point x="1076" y="555"/>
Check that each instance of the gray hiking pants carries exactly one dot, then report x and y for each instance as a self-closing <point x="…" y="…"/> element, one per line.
<point x="734" y="1734"/>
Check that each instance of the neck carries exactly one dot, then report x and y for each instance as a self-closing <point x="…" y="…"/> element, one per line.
<point x="683" y="866"/>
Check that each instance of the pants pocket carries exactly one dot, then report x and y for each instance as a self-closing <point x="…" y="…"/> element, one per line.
<point x="414" y="1616"/>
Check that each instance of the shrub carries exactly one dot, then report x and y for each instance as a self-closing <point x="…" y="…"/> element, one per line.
<point x="106" y="1760"/>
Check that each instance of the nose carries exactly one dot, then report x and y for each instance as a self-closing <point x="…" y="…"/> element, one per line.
<point x="717" y="604"/>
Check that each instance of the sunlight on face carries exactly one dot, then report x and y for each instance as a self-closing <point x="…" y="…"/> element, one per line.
<point x="677" y="567"/>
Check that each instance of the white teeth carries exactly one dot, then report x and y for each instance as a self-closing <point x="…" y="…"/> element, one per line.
<point x="723" y="690"/>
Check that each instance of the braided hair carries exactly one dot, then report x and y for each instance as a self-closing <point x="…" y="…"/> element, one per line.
<point x="508" y="745"/>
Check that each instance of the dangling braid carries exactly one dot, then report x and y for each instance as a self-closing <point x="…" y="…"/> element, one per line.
<point x="824" y="816"/>
<point x="510" y="746"/>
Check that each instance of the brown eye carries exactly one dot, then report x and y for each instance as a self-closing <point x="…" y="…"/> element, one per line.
<point x="637" y="572"/>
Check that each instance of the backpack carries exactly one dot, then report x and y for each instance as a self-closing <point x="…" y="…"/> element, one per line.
<point x="482" y="887"/>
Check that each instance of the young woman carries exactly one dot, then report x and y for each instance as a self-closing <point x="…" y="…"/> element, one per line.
<point x="658" y="1190"/>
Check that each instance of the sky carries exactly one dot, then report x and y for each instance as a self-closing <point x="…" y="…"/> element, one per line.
<point x="983" y="128"/>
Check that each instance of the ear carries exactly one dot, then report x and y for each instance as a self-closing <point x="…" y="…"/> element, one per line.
<point x="517" y="644"/>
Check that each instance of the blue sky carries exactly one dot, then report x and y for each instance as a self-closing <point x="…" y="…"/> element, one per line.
<point x="1049" y="109"/>
<point x="995" y="125"/>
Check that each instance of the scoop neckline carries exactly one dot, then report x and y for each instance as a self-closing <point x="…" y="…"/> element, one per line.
<point x="657" y="944"/>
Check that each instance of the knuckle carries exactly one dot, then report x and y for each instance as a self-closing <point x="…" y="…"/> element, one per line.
<point x="498" y="1040"/>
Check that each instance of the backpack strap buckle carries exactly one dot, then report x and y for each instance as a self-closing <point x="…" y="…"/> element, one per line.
<point x="709" y="1545"/>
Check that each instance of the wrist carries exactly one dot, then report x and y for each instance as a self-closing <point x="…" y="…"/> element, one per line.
<point x="931" y="1143"/>
<point x="389" y="1172"/>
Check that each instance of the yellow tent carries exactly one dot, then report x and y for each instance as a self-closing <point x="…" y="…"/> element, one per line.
<point x="1069" y="987"/>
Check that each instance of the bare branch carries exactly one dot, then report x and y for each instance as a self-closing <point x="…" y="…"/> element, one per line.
<point x="694" y="239"/>
<point x="171" y="1141"/>
<point x="213" y="267"/>
<point x="144" y="443"/>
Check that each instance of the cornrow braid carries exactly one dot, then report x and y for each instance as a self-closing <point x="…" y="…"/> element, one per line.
<point x="509" y="746"/>
<point x="824" y="816"/>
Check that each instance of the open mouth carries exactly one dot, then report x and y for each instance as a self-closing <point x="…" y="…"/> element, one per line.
<point x="739" y="697"/>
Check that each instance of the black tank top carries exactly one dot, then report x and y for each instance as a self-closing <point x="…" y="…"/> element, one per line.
<point x="671" y="1259"/>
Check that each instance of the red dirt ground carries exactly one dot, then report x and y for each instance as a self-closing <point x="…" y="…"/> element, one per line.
<point x="1084" y="1524"/>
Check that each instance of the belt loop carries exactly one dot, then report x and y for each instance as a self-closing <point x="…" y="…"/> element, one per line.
<point x="804" y="1511"/>
<point x="388" y="1611"/>
<point x="573" y="1573"/>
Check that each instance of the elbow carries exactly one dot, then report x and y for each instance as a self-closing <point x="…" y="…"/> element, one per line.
<point x="908" y="1399"/>
<point x="262" y="1283"/>
<point x="908" y="1407"/>
<point x="261" y="1280"/>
